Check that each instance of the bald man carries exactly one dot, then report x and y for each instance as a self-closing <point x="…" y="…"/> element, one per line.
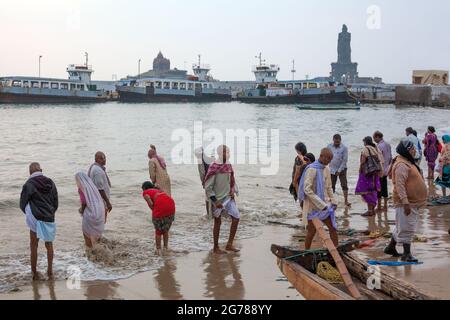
<point x="316" y="190"/>
<point x="97" y="172"/>
<point x="39" y="202"/>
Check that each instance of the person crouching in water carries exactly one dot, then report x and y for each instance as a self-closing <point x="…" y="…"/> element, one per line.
<point x="409" y="194"/>
<point x="163" y="213"/>
<point x="92" y="209"/>
<point x="221" y="188"/>
<point x="316" y="192"/>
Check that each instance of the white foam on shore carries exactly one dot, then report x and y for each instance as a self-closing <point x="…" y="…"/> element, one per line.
<point x="121" y="255"/>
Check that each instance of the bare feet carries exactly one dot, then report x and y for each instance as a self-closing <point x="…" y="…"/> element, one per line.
<point x="37" y="276"/>
<point x="158" y="252"/>
<point x="219" y="251"/>
<point x="50" y="275"/>
<point x="231" y="248"/>
<point x="348" y="205"/>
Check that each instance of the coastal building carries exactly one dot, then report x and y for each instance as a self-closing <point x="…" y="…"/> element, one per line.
<point x="161" y="69"/>
<point x="430" y="77"/>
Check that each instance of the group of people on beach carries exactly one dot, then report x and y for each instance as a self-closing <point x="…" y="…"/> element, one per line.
<point x="314" y="182"/>
<point x="313" y="185"/>
<point x="39" y="202"/>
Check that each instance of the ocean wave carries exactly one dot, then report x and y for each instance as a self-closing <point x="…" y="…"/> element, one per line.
<point x="9" y="204"/>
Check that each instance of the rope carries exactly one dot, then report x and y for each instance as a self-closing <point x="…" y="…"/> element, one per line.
<point x="327" y="272"/>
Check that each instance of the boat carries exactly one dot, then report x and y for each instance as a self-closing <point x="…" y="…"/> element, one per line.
<point x="78" y="88"/>
<point x="189" y="88"/>
<point x="329" y="107"/>
<point x="299" y="267"/>
<point x="269" y="90"/>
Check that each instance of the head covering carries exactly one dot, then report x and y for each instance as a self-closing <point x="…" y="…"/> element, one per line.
<point x="217" y="167"/>
<point x="403" y="149"/>
<point x="446" y="138"/>
<point x="152" y="154"/>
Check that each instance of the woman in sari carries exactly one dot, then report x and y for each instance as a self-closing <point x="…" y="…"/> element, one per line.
<point x="444" y="166"/>
<point x="431" y="151"/>
<point x="368" y="186"/>
<point x="92" y="209"/>
<point x="158" y="171"/>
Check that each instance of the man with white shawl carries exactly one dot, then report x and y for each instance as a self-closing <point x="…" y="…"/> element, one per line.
<point x="315" y="190"/>
<point x="92" y="209"/>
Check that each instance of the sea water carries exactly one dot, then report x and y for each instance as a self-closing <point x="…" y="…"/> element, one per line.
<point x="64" y="138"/>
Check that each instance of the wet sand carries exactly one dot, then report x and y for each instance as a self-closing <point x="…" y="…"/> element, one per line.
<point x="250" y="274"/>
<point x="253" y="274"/>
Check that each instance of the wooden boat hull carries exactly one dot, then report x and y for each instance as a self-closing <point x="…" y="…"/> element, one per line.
<point x="311" y="286"/>
<point x="299" y="270"/>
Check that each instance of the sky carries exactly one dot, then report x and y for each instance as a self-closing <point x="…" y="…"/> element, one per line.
<point x="390" y="38"/>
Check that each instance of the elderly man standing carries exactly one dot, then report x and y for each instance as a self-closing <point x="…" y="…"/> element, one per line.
<point x="385" y="149"/>
<point x="338" y="166"/>
<point x="39" y="202"/>
<point x="97" y="172"/>
<point x="410" y="194"/>
<point x="319" y="202"/>
<point x="221" y="188"/>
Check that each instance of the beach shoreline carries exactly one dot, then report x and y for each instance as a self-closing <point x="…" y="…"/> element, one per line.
<point x="253" y="273"/>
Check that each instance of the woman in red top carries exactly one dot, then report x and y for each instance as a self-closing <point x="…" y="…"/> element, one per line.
<point x="163" y="213"/>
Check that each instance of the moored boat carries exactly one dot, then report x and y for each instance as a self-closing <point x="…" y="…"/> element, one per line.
<point x="299" y="267"/>
<point x="271" y="91"/>
<point x="329" y="107"/>
<point x="78" y="88"/>
<point x="190" y="88"/>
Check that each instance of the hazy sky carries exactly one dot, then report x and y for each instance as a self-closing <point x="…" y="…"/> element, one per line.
<point x="407" y="35"/>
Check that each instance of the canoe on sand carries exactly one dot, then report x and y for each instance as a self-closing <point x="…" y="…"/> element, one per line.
<point x="299" y="267"/>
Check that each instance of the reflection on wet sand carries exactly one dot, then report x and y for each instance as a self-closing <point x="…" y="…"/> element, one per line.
<point x="346" y="218"/>
<point x="168" y="286"/>
<point x="102" y="290"/>
<point x="223" y="279"/>
<point x="38" y="285"/>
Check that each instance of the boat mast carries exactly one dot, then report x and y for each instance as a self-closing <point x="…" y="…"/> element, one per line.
<point x="87" y="59"/>
<point x="260" y="59"/>
<point x="293" y="70"/>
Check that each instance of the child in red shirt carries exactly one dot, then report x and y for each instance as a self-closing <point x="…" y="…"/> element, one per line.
<point x="163" y="213"/>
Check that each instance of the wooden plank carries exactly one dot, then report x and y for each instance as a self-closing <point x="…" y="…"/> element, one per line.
<point x="337" y="259"/>
<point x="309" y="285"/>
<point x="393" y="287"/>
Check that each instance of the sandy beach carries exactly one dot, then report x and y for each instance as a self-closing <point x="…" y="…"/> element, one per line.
<point x="130" y="270"/>
<point x="250" y="274"/>
<point x="253" y="273"/>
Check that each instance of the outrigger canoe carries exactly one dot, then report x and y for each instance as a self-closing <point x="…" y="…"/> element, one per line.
<point x="299" y="267"/>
